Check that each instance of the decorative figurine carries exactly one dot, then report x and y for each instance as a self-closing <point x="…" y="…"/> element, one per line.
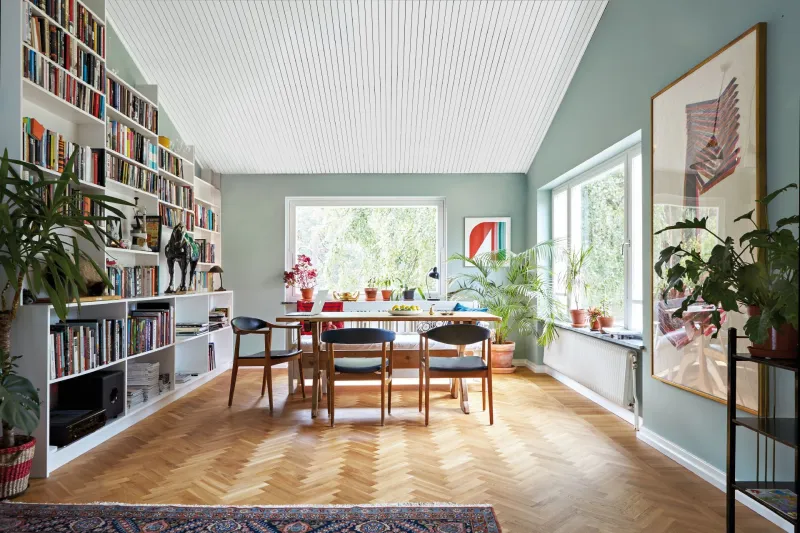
<point x="181" y="248"/>
<point x="138" y="230"/>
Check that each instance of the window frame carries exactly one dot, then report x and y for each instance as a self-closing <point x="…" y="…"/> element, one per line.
<point x="290" y="236"/>
<point x="624" y="158"/>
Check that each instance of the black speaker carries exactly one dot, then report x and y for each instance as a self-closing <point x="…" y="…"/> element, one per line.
<point x="104" y="389"/>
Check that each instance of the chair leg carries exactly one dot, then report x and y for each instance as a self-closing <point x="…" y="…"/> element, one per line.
<point x="331" y="398"/>
<point x="391" y="354"/>
<point x="491" y="398"/>
<point x="264" y="379"/>
<point x="233" y="380"/>
<point x="302" y="379"/>
<point x="427" y="397"/>
<point x="483" y="392"/>
<point x="421" y="369"/>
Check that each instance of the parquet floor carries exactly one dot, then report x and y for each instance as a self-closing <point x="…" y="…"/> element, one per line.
<point x="553" y="462"/>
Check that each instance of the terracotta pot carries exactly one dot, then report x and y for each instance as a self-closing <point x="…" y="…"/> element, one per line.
<point x="386" y="294"/>
<point x="503" y="358"/>
<point x="780" y="344"/>
<point x="15" y="467"/>
<point x="594" y="324"/>
<point x="606" y="322"/>
<point x="307" y="294"/>
<point x="579" y="317"/>
<point x="370" y="294"/>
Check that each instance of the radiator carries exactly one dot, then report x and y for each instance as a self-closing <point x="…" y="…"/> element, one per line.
<point x="604" y="368"/>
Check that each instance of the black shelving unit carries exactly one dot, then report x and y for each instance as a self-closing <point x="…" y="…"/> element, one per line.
<point x="785" y="431"/>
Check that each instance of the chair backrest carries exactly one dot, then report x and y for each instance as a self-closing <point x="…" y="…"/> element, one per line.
<point x="247" y="323"/>
<point x="459" y="334"/>
<point x="357" y="336"/>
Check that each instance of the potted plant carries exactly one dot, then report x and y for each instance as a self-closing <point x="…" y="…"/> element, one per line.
<point x="575" y="284"/>
<point x="606" y="319"/>
<point x="758" y="273"/>
<point x="594" y="314"/>
<point x="42" y="228"/>
<point x="371" y="292"/>
<point x="303" y="276"/>
<point x="408" y="291"/>
<point x="516" y="288"/>
<point x="386" y="289"/>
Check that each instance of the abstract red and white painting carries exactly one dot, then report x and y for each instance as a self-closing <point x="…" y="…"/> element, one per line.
<point x="486" y="234"/>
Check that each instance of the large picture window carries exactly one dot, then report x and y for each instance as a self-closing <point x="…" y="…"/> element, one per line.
<point x="596" y="209"/>
<point x="357" y="240"/>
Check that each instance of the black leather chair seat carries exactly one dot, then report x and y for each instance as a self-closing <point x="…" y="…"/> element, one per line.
<point x="357" y="365"/>
<point x="457" y="364"/>
<point x="274" y="354"/>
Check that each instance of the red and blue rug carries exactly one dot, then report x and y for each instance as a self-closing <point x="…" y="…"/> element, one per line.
<point x="122" y="518"/>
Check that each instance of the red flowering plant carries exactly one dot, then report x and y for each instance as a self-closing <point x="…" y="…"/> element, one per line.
<point x="302" y="275"/>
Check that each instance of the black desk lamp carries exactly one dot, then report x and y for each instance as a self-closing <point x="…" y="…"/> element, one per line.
<point x="432" y="274"/>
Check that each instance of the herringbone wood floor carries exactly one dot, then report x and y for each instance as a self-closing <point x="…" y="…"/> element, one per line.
<point x="553" y="461"/>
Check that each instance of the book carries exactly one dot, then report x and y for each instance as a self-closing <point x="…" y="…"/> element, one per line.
<point x="782" y="499"/>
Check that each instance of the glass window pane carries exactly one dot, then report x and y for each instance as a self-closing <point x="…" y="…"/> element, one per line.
<point x="637" y="317"/>
<point x="559" y="232"/>
<point x="636" y="228"/>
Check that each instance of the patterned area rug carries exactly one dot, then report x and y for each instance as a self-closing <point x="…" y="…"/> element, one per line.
<point x="121" y="518"/>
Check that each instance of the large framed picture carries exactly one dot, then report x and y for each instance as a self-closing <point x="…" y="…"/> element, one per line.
<point x="486" y="234"/>
<point x="708" y="160"/>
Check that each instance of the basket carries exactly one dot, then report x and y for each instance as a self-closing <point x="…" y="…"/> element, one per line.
<point x="15" y="467"/>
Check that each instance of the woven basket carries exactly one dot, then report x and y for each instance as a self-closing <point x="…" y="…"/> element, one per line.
<point x="15" y="467"/>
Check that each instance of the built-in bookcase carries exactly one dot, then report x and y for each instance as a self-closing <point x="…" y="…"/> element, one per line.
<point x="64" y="83"/>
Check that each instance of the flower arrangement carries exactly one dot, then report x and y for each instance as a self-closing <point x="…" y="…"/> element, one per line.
<point x="302" y="275"/>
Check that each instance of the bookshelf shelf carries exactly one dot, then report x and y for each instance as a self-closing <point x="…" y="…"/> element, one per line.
<point x="204" y="263"/>
<point x="111" y="250"/>
<point x="176" y="206"/>
<point x="58" y="106"/>
<point x="83" y="46"/>
<point x="119" y="116"/>
<point x="148" y="352"/>
<point x="204" y="230"/>
<point x="188" y="338"/>
<point x="176" y="154"/>
<point x="206" y="202"/>
<point x="62" y="69"/>
<point x="173" y="177"/>
<point x="130" y="189"/>
<point x="85" y="372"/>
<point x="131" y="161"/>
<point x="131" y="88"/>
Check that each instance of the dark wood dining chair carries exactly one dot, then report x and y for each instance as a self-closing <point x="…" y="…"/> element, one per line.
<point x="356" y="366"/>
<point x="472" y="366"/>
<point x="245" y="325"/>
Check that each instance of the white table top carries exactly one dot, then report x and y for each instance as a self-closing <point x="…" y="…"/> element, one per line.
<point x="384" y="316"/>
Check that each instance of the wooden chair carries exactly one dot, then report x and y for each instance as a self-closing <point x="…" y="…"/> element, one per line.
<point x="359" y="365"/>
<point x="244" y="325"/>
<point x="472" y="366"/>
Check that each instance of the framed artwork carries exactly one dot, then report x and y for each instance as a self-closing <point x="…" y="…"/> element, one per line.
<point x="486" y="234"/>
<point x="152" y="226"/>
<point x="708" y="160"/>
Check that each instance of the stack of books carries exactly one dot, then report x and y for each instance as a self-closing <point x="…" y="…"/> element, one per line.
<point x="218" y="318"/>
<point x="135" y="397"/>
<point x="183" y="377"/>
<point x="145" y="378"/>
<point x="150" y="326"/>
<point x="80" y="345"/>
<point x="190" y="329"/>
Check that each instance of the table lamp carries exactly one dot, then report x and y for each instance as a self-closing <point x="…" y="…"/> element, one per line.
<point x="216" y="269"/>
<point x="432" y="274"/>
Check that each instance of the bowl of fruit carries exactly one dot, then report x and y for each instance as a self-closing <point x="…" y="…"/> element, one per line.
<point x="405" y="310"/>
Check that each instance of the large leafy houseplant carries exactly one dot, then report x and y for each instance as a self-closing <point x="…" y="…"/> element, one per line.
<point x="758" y="272"/>
<point x="514" y="286"/>
<point x="574" y="282"/>
<point x="42" y="228"/>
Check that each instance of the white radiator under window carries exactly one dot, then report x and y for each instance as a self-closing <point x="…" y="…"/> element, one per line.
<point x="604" y="368"/>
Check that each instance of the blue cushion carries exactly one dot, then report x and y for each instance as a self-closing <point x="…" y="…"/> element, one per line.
<point x="357" y="365"/>
<point x="460" y="307"/>
<point x="457" y="364"/>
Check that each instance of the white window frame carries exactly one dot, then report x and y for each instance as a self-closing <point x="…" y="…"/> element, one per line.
<point x="290" y="237"/>
<point x="624" y="158"/>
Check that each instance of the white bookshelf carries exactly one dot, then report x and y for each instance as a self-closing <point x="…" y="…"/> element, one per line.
<point x="24" y="98"/>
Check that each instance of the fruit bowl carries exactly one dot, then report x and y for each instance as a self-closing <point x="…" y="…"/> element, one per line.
<point x="405" y="313"/>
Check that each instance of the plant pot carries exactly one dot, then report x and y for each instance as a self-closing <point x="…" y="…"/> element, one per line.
<point x="386" y="294"/>
<point x="15" y="467"/>
<point x="578" y="317"/>
<point x="781" y="343"/>
<point x="594" y="324"/>
<point x="370" y="294"/>
<point x="503" y="358"/>
<point x="409" y="294"/>
<point x="307" y="294"/>
<point x="606" y="322"/>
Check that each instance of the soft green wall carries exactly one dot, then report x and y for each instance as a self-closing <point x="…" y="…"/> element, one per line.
<point x="253" y="208"/>
<point x="639" y="47"/>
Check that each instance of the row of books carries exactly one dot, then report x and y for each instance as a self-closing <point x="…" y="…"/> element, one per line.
<point x="73" y="15"/>
<point x="206" y="218"/>
<point x="201" y="278"/>
<point x="150" y="326"/>
<point x="171" y="216"/>
<point x="54" y="80"/>
<point x="132" y="282"/>
<point x="62" y="48"/>
<point x="169" y="191"/>
<point x="79" y="204"/>
<point x="124" y="172"/>
<point x="207" y="251"/>
<point x="80" y="345"/>
<point x="170" y="163"/>
<point x="131" y="105"/>
<point x="50" y="149"/>
<point x="131" y="143"/>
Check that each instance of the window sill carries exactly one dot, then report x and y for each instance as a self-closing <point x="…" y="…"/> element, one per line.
<point x="634" y="344"/>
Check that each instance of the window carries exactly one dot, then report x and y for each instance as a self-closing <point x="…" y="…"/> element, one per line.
<point x="596" y="209"/>
<point x="356" y="239"/>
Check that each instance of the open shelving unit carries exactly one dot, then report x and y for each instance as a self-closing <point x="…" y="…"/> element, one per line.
<point x="783" y="431"/>
<point x="24" y="98"/>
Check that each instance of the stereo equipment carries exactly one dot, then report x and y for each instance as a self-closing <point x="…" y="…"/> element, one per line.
<point x="104" y="389"/>
<point x="67" y="426"/>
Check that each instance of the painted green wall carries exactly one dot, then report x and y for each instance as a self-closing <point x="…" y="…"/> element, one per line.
<point x="639" y="47"/>
<point x="253" y="220"/>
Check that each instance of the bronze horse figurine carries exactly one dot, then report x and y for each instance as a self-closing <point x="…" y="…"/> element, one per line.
<point x="181" y="248"/>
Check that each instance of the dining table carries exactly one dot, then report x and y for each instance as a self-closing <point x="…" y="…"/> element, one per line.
<point x="315" y="324"/>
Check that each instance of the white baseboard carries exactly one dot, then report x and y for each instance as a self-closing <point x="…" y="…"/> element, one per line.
<point x="707" y="472"/>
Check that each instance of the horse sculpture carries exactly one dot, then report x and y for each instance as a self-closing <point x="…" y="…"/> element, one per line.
<point x="181" y="248"/>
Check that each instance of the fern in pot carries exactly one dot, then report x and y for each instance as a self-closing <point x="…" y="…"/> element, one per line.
<point x="758" y="273"/>
<point x="518" y="289"/>
<point x="42" y="228"/>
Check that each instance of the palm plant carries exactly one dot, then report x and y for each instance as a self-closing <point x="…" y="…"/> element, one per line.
<point x="42" y="226"/>
<point x="515" y="287"/>
<point x="573" y="279"/>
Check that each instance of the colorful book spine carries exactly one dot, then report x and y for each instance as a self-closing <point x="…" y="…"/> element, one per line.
<point x="132" y="144"/>
<point x="206" y="218"/>
<point x="134" y="176"/>
<point x="78" y="346"/>
<point x="180" y="195"/>
<point x="49" y="149"/>
<point x="132" y="282"/>
<point x="169" y="162"/>
<point x="131" y="105"/>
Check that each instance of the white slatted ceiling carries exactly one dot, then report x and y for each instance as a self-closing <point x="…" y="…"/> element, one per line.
<point x="272" y="86"/>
